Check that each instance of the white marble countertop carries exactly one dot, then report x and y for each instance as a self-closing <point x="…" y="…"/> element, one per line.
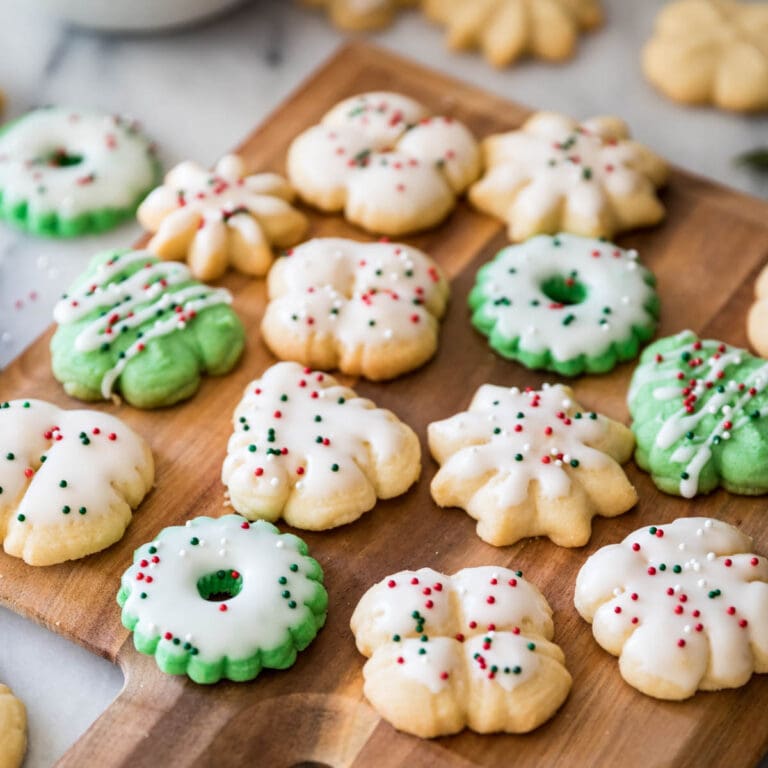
<point x="198" y="92"/>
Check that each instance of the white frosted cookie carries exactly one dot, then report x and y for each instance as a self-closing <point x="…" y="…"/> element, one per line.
<point x="473" y="649"/>
<point x="531" y="463"/>
<point x="557" y="175"/>
<point x="13" y="729"/>
<point x="711" y="52"/>
<point x="368" y="309"/>
<point x="68" y="480"/>
<point x="311" y="451"/>
<point x="684" y="606"/>
<point x="506" y="30"/>
<point x="757" y="319"/>
<point x="356" y="15"/>
<point x="225" y="217"/>
<point x="385" y="162"/>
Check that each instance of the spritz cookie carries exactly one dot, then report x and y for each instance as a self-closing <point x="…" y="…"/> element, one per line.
<point x="13" y="729"/>
<point x="557" y="175"/>
<point x="757" y="319"/>
<point x="684" y="606"/>
<point x="223" y="599"/>
<point x="473" y="649"/>
<point x="311" y="451"/>
<point x="368" y="309"/>
<point x="565" y="303"/>
<point x="357" y="15"/>
<point x="531" y="463"/>
<point x="700" y="411"/>
<point x="386" y="162"/>
<point x="67" y="172"/>
<point x="68" y="480"/>
<point x="142" y="328"/>
<point x="506" y="30"/>
<point x="220" y="218"/>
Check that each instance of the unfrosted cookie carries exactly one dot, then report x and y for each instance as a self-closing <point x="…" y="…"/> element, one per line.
<point x="223" y="599"/>
<point x="355" y="15"/>
<point x="311" y="451"/>
<point x="557" y="175"/>
<point x="473" y="649"/>
<point x="684" y="606"/>
<point x="700" y="411"/>
<point x="531" y="463"/>
<point x="143" y="328"/>
<point x="225" y="217"/>
<point x="757" y="320"/>
<point x="506" y="30"/>
<point x="67" y="172"/>
<point x="368" y="309"/>
<point x="385" y="162"/>
<point x="711" y="52"/>
<point x="68" y="480"/>
<point x="13" y="729"/>
<point x="565" y="303"/>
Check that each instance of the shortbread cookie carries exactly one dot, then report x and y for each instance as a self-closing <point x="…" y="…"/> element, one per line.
<point x="531" y="463"/>
<point x="357" y="15"/>
<point x="143" y="328"/>
<point x="473" y="649"/>
<point x="213" y="219"/>
<point x="506" y="30"/>
<point x="556" y="175"/>
<point x="13" y="729"/>
<point x="757" y="320"/>
<point x="368" y="309"/>
<point x="67" y="172"/>
<point x="684" y="606"/>
<point x="68" y="480"/>
<point x="565" y="303"/>
<point x="385" y="162"/>
<point x="711" y="52"/>
<point x="700" y="413"/>
<point x="311" y="451"/>
<point x="223" y="598"/>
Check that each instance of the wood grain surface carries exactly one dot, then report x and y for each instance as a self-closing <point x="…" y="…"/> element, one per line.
<point x="705" y="256"/>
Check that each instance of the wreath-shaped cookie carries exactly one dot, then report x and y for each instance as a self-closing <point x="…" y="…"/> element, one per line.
<point x="386" y="162"/>
<point x="213" y="219"/>
<point x="144" y="328"/>
<point x="711" y="52"/>
<point x="684" y="606"/>
<point x="473" y="649"/>
<point x="531" y="463"/>
<point x="557" y="175"/>
<point x="68" y="480"/>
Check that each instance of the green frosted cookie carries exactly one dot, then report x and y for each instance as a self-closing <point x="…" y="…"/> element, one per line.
<point x="144" y="328"/>
<point x="700" y="416"/>
<point x="565" y="303"/>
<point x="67" y="172"/>
<point x="223" y="598"/>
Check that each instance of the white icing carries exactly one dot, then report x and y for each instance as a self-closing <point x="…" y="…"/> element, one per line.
<point x="116" y="165"/>
<point x="511" y="286"/>
<point x="258" y="618"/>
<point x="713" y="587"/>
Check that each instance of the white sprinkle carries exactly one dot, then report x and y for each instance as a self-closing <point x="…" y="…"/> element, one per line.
<point x="616" y="591"/>
<point x="182" y="553"/>
<point x="223" y="540"/>
<point x="188" y="637"/>
<point x="708" y="524"/>
<point x="687" y="629"/>
<point x="299" y="485"/>
<point x="625" y="299"/>
<point x="274" y="482"/>
<point x="388" y="333"/>
<point x="681" y="546"/>
<point x="280" y="544"/>
<point x="710" y="556"/>
<point x="701" y="583"/>
<point x="699" y="532"/>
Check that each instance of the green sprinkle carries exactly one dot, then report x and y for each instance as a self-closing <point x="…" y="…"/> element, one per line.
<point x="10" y="456"/>
<point x="531" y="646"/>
<point x="194" y="541"/>
<point x="396" y="638"/>
<point x="82" y="510"/>
<point x="676" y="568"/>
<point x="318" y="418"/>
<point x="519" y="574"/>
<point x="574" y="463"/>
<point x="593" y="416"/>
<point x="43" y="459"/>
<point x="66" y="509"/>
<point x="714" y="593"/>
<point x="684" y="475"/>
<point x="252" y="448"/>
<point x="292" y="603"/>
<point x="282" y="580"/>
<point x="690" y="435"/>
<point x="422" y="651"/>
<point x="334" y="467"/>
<point x="21" y="518"/>
<point x="568" y="319"/>
<point x="25" y="404"/>
<point x="283" y="398"/>
<point x="285" y="594"/>
<point x="341" y="401"/>
<point x="143" y="595"/>
<point x="652" y="530"/>
<point x="62" y="484"/>
<point x="176" y="641"/>
<point x="152" y="550"/>
<point x="497" y="431"/>
<point x="663" y="567"/>
<point x="518" y="457"/>
<point x="517" y="670"/>
<point x="293" y="567"/>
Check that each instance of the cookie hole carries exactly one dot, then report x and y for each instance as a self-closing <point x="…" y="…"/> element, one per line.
<point x="60" y="158"/>
<point x="220" y="585"/>
<point x="564" y="290"/>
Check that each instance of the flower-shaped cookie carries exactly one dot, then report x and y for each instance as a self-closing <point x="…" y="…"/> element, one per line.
<point x="68" y="480"/>
<point x="473" y="649"/>
<point x="684" y="606"/>
<point x="757" y="320"/>
<point x="383" y="160"/>
<point x="556" y="175"/>
<point x="223" y="217"/>
<point x="13" y="729"/>
<point x="311" y="451"/>
<point x="711" y="52"/>
<point x="369" y="309"/>
<point x="531" y="463"/>
<point x="506" y="30"/>
<point x="357" y="15"/>
<point x="700" y="410"/>
<point x="144" y="328"/>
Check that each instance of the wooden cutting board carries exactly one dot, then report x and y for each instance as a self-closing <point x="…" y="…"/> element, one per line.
<point x="706" y="257"/>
